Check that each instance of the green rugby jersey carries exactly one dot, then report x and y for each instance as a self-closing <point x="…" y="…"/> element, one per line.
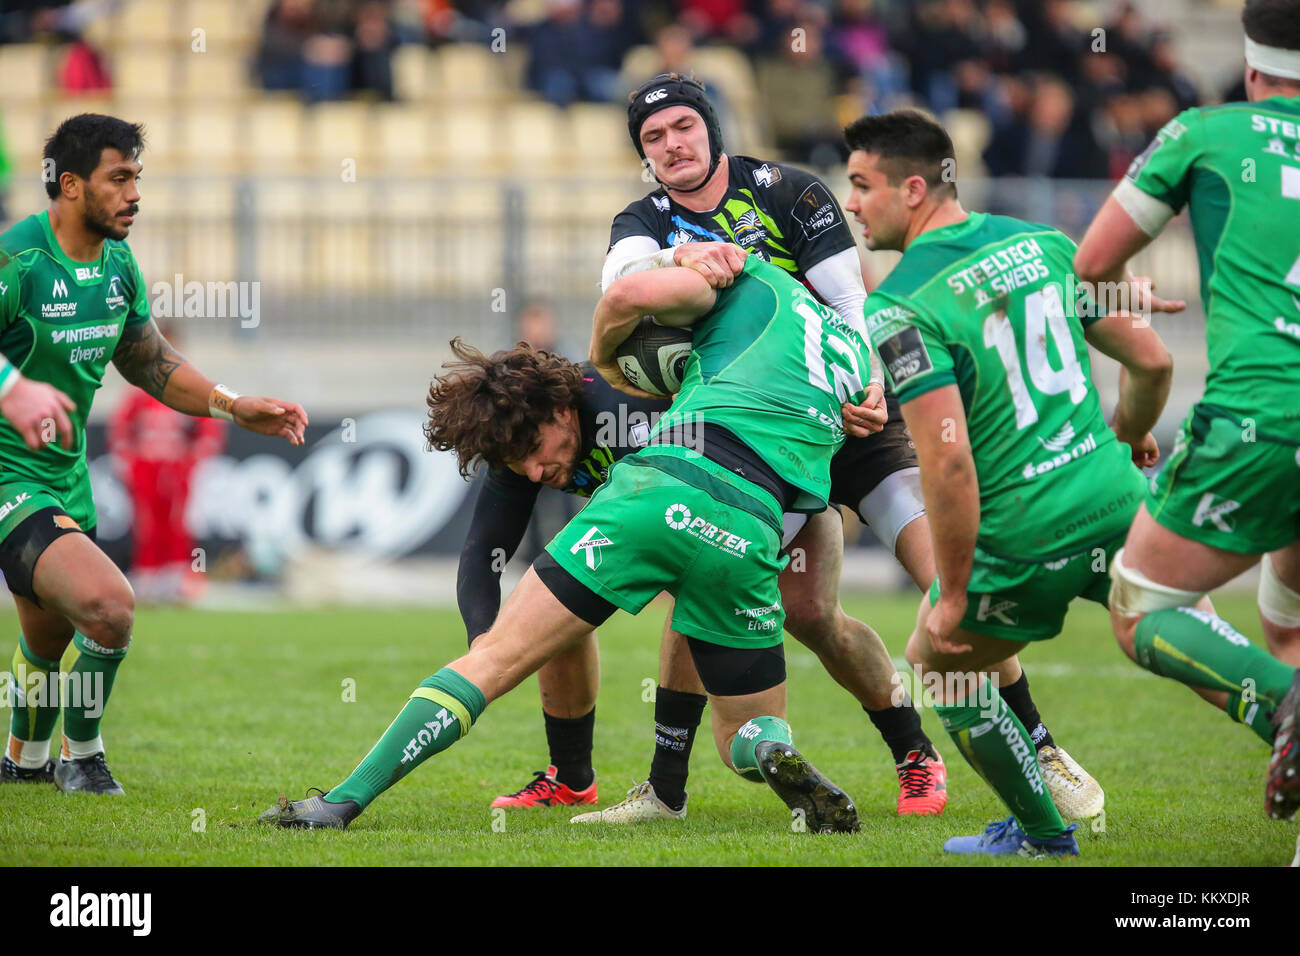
<point x="773" y="365"/>
<point x="60" y="321"/>
<point x="988" y="304"/>
<point x="1237" y="168"/>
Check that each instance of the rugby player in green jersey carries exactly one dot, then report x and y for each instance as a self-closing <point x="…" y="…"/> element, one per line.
<point x="1230" y="492"/>
<point x="696" y="513"/>
<point x="1028" y="491"/>
<point x="72" y="299"/>
<point x="788" y="217"/>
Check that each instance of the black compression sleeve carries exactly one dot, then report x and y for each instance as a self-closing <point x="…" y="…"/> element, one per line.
<point x="501" y="516"/>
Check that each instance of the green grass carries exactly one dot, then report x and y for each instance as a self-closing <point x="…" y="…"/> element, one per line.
<point x="224" y="711"/>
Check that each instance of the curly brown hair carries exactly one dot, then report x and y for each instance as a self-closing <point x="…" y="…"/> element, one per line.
<point x="489" y="407"/>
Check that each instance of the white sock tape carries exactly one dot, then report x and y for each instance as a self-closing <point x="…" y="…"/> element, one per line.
<point x="1278" y="604"/>
<point x="1133" y="594"/>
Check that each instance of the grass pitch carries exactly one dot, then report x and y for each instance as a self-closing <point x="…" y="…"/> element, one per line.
<point x="216" y="714"/>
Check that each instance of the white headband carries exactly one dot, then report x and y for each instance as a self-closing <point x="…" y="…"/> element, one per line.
<point x="1273" y="60"/>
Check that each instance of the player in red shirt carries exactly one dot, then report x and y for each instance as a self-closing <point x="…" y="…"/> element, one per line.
<point x="157" y="450"/>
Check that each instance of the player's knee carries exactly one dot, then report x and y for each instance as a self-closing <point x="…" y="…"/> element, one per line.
<point x="108" y="618"/>
<point x="724" y="745"/>
<point x="1124" y="628"/>
<point x="1285" y="646"/>
<point x="814" y="623"/>
<point x="914" y="653"/>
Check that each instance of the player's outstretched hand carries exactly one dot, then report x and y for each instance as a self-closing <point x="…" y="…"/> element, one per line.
<point x="718" y="262"/>
<point x="869" y="417"/>
<point x="1145" y="450"/>
<point x="39" y="412"/>
<point x="611" y="373"/>
<point x="270" y="416"/>
<point x="942" y="620"/>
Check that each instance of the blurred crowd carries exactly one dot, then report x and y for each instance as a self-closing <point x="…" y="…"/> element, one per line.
<point x="1061" y="98"/>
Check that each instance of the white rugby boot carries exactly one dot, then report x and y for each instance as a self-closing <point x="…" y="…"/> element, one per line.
<point x="640" y="804"/>
<point x="1077" y="796"/>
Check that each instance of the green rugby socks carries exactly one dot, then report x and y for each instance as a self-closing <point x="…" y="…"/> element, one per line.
<point x="752" y="733"/>
<point x="34" y="681"/>
<point x="86" y="689"/>
<point x="1255" y="714"/>
<point x="1197" y="648"/>
<point x="441" y="711"/>
<point x="995" y="743"/>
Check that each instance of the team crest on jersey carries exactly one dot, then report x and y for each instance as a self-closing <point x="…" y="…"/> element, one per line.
<point x="905" y="355"/>
<point x="767" y="175"/>
<point x="749" y="229"/>
<point x="115" y="298"/>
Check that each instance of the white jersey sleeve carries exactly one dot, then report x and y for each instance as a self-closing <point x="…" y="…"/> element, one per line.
<point x="838" y="280"/>
<point x="632" y="254"/>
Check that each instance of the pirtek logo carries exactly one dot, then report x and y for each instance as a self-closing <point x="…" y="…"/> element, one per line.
<point x="656" y="95"/>
<point x="718" y="537"/>
<point x="677" y="516"/>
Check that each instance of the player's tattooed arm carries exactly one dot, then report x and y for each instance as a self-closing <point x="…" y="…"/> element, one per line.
<point x="146" y="359"/>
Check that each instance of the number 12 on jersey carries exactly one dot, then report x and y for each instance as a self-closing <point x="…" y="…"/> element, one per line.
<point x="828" y="357"/>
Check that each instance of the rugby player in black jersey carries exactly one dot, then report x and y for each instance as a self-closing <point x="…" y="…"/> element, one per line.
<point x="710" y="202"/>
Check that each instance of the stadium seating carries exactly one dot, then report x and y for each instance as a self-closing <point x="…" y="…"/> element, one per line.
<point x="26" y="69"/>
